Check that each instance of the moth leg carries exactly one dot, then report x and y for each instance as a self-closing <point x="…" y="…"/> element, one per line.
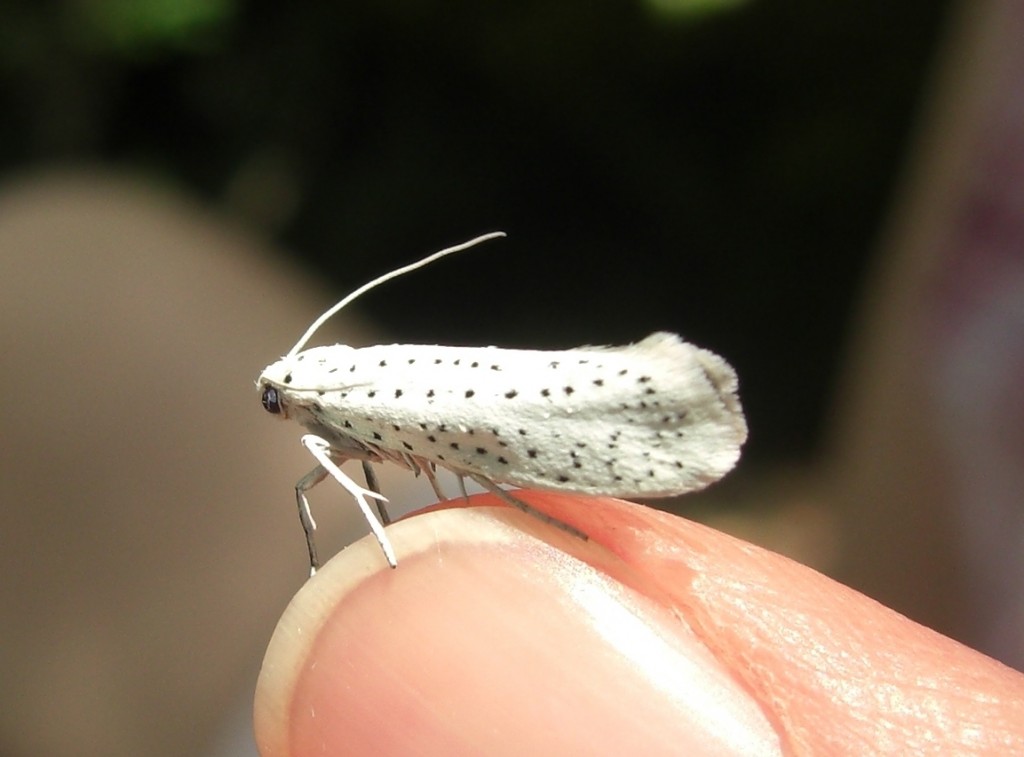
<point x="462" y="485"/>
<point x="373" y="484"/>
<point x="320" y="449"/>
<point x="429" y="473"/>
<point x="307" y="482"/>
<point x="518" y="503"/>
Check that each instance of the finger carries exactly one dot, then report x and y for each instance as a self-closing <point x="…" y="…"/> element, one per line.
<point x="827" y="667"/>
<point x="488" y="639"/>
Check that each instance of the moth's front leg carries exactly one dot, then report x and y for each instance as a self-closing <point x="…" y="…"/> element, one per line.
<point x="325" y="455"/>
<point x="307" y="482"/>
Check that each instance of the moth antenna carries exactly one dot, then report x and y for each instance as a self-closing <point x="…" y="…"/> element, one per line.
<point x="387" y="277"/>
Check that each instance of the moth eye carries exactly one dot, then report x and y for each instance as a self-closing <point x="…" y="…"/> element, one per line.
<point x="271" y="400"/>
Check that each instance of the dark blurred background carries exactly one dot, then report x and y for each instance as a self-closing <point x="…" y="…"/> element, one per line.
<point x="718" y="169"/>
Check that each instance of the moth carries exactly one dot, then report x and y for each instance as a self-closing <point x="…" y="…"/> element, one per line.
<point x="656" y="418"/>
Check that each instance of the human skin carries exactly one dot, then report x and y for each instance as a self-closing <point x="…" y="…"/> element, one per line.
<point x="499" y="634"/>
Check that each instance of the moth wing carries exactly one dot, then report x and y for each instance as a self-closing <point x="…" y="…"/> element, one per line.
<point x="657" y="418"/>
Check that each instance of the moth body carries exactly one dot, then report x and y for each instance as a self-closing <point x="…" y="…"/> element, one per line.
<point x="652" y="419"/>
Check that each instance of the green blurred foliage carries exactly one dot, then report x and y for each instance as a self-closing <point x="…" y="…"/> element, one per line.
<point x="689" y="9"/>
<point x="136" y="27"/>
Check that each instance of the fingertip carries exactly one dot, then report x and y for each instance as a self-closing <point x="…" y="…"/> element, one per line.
<point x="488" y="638"/>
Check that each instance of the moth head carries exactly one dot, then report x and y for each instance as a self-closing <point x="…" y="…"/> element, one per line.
<point x="273" y="385"/>
<point x="272" y="397"/>
<point x="289" y="385"/>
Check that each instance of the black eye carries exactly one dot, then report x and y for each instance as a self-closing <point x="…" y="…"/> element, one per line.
<point x="271" y="400"/>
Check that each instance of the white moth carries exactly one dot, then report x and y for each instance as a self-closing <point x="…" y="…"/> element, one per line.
<point x="653" y="419"/>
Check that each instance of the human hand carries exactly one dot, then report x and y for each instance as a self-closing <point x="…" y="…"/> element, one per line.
<point x="499" y="634"/>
